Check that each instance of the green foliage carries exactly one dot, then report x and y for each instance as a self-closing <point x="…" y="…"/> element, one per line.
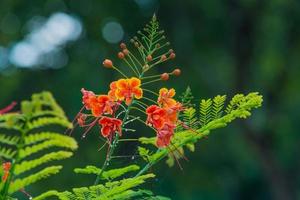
<point x="239" y="107"/>
<point x="122" y="189"/>
<point x="187" y="98"/>
<point x="218" y="104"/>
<point x="205" y="111"/>
<point x="110" y="174"/>
<point x="189" y="118"/>
<point x="24" y="142"/>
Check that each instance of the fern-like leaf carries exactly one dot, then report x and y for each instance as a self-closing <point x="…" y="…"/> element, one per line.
<point x="30" y="123"/>
<point x="110" y="174"/>
<point x="218" y="104"/>
<point x="205" y="111"/>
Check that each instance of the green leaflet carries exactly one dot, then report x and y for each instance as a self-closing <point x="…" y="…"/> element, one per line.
<point x="31" y="164"/>
<point x="9" y="140"/>
<point x="22" y="183"/>
<point x="110" y="174"/>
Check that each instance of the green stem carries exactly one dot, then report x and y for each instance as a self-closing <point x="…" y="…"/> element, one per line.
<point x="113" y="146"/>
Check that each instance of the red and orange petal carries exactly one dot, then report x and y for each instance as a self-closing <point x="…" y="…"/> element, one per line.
<point x="110" y="126"/>
<point x="164" y="135"/>
<point x="88" y="98"/>
<point x="134" y="82"/>
<point x="127" y="89"/>
<point x="165" y="98"/>
<point x="156" y="116"/>
<point x="112" y="91"/>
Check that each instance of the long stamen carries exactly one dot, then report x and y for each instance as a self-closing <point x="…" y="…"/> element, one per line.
<point x="175" y="158"/>
<point x="73" y="121"/>
<point x="90" y="127"/>
<point x="178" y="151"/>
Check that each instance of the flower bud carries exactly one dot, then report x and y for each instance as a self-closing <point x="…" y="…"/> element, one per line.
<point x="176" y="72"/>
<point x="136" y="44"/>
<point x="146" y="67"/>
<point x="125" y="51"/>
<point x="107" y="63"/>
<point x="172" y="55"/>
<point x="164" y="76"/>
<point x="122" y="45"/>
<point x="171" y="51"/>
<point x="121" y="55"/>
<point x="163" y="57"/>
<point x="149" y="58"/>
<point x="157" y="45"/>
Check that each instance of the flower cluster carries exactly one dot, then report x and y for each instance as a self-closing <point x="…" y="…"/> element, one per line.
<point x="111" y="110"/>
<point x="163" y="117"/>
<point x="104" y="107"/>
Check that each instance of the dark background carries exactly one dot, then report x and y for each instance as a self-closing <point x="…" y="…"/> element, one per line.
<point x="222" y="47"/>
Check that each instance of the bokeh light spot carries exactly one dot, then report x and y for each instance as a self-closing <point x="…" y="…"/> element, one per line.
<point x="112" y="32"/>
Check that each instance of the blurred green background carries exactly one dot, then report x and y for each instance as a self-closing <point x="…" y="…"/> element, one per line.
<point x="222" y="47"/>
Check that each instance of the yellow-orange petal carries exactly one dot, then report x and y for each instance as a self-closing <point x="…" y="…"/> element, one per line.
<point x="119" y="94"/>
<point x="134" y="82"/>
<point x="113" y="85"/>
<point x="172" y="92"/>
<point x="121" y="83"/>
<point x="163" y="91"/>
<point x="138" y="93"/>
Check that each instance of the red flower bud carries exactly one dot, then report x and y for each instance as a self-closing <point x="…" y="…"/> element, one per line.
<point x="163" y="57"/>
<point x="176" y="72"/>
<point x="121" y="55"/>
<point x="125" y="51"/>
<point x="164" y="76"/>
<point x="123" y="45"/>
<point x="172" y="55"/>
<point x="149" y="58"/>
<point x="107" y="63"/>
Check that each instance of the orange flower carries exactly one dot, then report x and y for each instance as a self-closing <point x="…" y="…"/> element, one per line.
<point x="165" y="98"/>
<point x="172" y="112"/>
<point x="110" y="126"/>
<point x="88" y="98"/>
<point x="6" y="167"/>
<point x="164" y="135"/>
<point x="127" y="89"/>
<point x="112" y="91"/>
<point x="103" y="105"/>
<point x="156" y="116"/>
